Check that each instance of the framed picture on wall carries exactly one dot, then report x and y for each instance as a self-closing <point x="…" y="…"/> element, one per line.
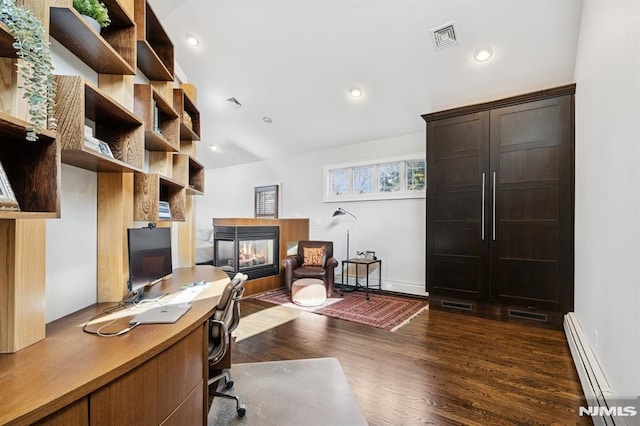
<point x="266" y="201"/>
<point x="7" y="197"/>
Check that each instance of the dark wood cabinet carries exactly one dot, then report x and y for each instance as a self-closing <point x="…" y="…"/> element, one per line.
<point x="500" y="207"/>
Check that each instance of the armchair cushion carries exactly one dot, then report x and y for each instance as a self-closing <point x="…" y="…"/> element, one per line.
<point x="313" y="256"/>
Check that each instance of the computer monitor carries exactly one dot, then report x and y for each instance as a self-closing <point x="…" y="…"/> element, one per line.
<point x="150" y="261"/>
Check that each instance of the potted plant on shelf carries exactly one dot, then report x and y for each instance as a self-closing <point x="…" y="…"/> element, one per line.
<point x="94" y="12"/>
<point x="35" y="66"/>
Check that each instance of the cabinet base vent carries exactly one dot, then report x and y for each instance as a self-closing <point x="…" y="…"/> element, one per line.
<point x="456" y="305"/>
<point x="515" y="313"/>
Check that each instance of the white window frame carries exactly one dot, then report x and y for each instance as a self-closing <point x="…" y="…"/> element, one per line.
<point x="327" y="197"/>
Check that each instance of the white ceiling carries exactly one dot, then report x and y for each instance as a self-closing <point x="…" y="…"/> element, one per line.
<point x="295" y="60"/>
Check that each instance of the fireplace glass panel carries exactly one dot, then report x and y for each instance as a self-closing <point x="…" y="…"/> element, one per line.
<point x="255" y="253"/>
<point x="226" y="255"/>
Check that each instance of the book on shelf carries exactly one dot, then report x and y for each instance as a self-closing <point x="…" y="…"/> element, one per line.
<point x="156" y="116"/>
<point x="91" y="142"/>
<point x="164" y="212"/>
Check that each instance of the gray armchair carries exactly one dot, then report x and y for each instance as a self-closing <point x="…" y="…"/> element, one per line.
<point x="322" y="268"/>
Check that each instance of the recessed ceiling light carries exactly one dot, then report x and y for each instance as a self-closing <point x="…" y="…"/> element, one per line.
<point x="483" y="54"/>
<point x="355" y="92"/>
<point x="267" y="119"/>
<point x="193" y="40"/>
<point x="214" y="148"/>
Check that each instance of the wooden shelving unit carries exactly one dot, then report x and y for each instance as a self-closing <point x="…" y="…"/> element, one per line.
<point x="112" y="51"/>
<point x="185" y="107"/>
<point x="189" y="171"/>
<point x="78" y="101"/>
<point x="168" y="121"/>
<point x="33" y="170"/>
<point x="155" y="49"/>
<point x="149" y="188"/>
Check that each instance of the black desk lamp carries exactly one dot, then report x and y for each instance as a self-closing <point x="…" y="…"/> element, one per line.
<point x="341" y="212"/>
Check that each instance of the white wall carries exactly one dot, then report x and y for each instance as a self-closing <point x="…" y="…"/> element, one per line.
<point x="72" y="240"/>
<point x="394" y="229"/>
<point x="72" y="246"/>
<point x="607" y="226"/>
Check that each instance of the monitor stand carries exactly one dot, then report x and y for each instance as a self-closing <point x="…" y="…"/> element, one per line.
<point x="144" y="294"/>
<point x="150" y="296"/>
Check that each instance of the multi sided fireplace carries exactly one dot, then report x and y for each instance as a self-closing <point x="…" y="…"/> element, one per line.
<point x="252" y="250"/>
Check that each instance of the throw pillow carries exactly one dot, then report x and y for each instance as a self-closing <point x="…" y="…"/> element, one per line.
<point x="312" y="256"/>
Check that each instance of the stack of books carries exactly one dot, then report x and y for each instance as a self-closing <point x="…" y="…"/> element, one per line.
<point x="89" y="140"/>
<point x="156" y="117"/>
<point x="163" y="210"/>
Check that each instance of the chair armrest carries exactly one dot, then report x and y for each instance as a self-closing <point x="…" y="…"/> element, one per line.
<point x="332" y="263"/>
<point x="224" y="341"/>
<point x="290" y="263"/>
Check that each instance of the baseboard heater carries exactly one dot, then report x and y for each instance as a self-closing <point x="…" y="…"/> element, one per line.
<point x="600" y="399"/>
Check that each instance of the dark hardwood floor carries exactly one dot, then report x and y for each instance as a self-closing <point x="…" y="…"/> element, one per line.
<point x="441" y="368"/>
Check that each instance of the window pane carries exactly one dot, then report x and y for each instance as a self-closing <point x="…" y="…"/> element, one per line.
<point x="363" y="180"/>
<point x="415" y="175"/>
<point x="389" y="177"/>
<point x="339" y="182"/>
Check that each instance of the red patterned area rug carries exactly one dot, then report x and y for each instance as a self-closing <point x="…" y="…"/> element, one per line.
<point x="385" y="311"/>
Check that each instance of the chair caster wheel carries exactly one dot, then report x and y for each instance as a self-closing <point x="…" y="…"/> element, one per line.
<point x="242" y="411"/>
<point x="229" y="384"/>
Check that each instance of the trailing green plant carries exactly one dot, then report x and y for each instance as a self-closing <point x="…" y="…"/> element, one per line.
<point x="95" y="9"/>
<point x="35" y="66"/>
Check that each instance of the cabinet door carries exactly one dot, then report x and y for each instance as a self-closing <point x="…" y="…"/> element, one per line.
<point x="152" y="392"/>
<point x="531" y="174"/>
<point x="457" y="190"/>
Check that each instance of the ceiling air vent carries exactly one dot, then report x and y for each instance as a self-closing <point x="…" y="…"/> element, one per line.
<point x="444" y="36"/>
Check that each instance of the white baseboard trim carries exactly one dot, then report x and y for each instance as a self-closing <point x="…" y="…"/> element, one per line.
<point x="603" y="406"/>
<point x="407" y="288"/>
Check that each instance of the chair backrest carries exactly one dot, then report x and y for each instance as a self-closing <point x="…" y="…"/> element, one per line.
<point x="225" y="318"/>
<point x="326" y="246"/>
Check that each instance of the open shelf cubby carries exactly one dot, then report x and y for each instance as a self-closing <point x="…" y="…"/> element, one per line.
<point x="110" y="51"/>
<point x="189" y="115"/>
<point x="77" y="103"/>
<point x="190" y="171"/>
<point x="32" y="169"/>
<point x="149" y="189"/>
<point x="166" y="137"/>
<point x="155" y="49"/>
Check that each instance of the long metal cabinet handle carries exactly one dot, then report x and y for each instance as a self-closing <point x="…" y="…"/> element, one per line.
<point x="494" y="206"/>
<point x="482" y="206"/>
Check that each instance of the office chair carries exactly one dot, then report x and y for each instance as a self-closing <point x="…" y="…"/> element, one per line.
<point x="224" y="320"/>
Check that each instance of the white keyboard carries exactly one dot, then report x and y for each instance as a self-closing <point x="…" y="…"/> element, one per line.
<point x="186" y="295"/>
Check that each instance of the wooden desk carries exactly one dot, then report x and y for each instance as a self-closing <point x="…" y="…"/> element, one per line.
<point x="154" y="373"/>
